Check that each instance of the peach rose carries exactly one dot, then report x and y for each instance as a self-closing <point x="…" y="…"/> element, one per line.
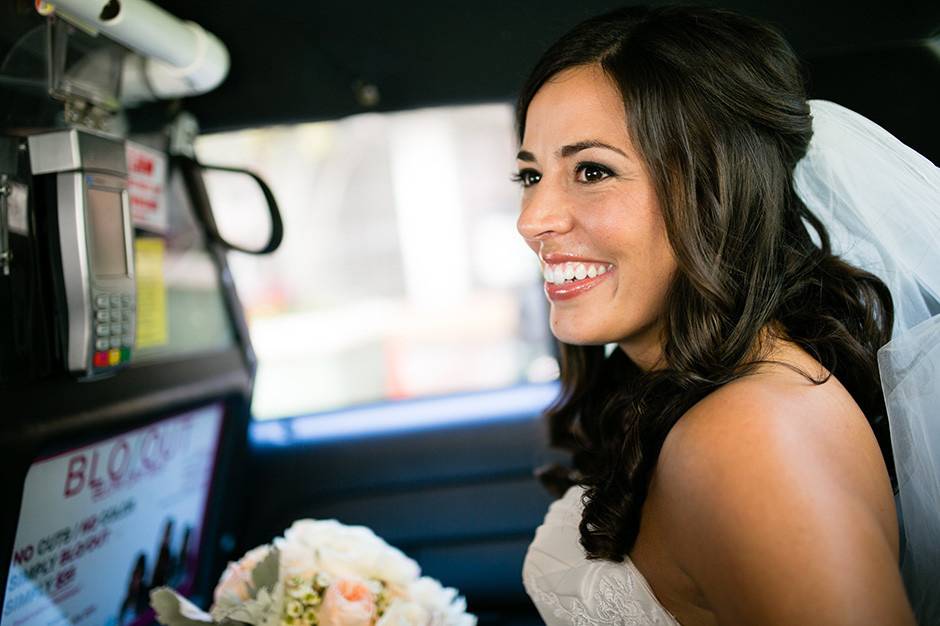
<point x="347" y="603"/>
<point x="235" y="583"/>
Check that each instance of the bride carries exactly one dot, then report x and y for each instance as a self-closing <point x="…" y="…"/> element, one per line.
<point x="731" y="460"/>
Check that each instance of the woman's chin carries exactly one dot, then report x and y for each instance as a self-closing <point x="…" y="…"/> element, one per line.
<point x="578" y="335"/>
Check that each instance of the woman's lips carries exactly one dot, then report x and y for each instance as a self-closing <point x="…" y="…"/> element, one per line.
<point x="568" y="290"/>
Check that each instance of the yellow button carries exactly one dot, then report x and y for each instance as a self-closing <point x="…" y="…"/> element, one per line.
<point x="114" y="357"/>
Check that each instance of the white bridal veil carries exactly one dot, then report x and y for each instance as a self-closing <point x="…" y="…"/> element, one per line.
<point x="880" y="201"/>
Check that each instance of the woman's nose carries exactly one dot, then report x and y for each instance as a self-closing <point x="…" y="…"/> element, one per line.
<point x="545" y="213"/>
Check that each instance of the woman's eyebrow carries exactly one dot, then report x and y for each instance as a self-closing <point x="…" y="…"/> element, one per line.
<point x="574" y="148"/>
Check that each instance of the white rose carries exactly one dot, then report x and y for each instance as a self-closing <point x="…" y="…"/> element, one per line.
<point x="343" y="552"/>
<point x="401" y="613"/>
<point x="443" y="603"/>
<point x="392" y="566"/>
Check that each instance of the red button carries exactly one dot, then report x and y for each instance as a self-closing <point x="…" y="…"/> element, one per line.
<point x="100" y="359"/>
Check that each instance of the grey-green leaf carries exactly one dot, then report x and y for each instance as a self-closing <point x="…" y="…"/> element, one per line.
<point x="174" y="610"/>
<point x="265" y="573"/>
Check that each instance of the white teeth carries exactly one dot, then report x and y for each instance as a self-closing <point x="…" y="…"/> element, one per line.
<point x="567" y="272"/>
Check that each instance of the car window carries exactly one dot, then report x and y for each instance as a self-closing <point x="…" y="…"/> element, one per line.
<point x="401" y="273"/>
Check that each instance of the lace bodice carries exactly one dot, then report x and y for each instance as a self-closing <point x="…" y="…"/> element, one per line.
<point x="570" y="590"/>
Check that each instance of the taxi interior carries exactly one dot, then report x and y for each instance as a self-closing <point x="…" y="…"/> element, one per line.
<point x="443" y="469"/>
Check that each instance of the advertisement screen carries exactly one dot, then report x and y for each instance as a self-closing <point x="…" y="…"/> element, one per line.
<point x="103" y="524"/>
<point x="106" y="219"/>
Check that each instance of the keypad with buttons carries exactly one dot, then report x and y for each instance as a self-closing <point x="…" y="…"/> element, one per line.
<point x="113" y="315"/>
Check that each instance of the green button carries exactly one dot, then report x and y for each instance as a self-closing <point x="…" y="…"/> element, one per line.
<point x="125" y="355"/>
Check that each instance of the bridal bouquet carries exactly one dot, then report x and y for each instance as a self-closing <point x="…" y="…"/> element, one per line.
<point x="321" y="573"/>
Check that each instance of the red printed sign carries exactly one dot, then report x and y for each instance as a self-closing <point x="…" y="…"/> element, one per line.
<point x="146" y="187"/>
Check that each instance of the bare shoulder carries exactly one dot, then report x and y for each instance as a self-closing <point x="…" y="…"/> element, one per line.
<point x="775" y="483"/>
<point x="778" y="420"/>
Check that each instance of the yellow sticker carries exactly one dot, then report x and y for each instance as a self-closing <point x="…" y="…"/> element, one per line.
<point x="151" y="293"/>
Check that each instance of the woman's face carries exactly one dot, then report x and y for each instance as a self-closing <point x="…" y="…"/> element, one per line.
<point x="590" y="212"/>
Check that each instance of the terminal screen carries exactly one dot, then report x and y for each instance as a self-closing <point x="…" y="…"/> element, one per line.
<point x="103" y="524"/>
<point x="106" y="219"/>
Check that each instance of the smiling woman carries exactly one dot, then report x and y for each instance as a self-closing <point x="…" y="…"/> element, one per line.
<point x="722" y="452"/>
<point x="591" y="203"/>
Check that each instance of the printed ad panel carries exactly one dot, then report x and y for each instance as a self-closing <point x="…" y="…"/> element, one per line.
<point x="102" y="525"/>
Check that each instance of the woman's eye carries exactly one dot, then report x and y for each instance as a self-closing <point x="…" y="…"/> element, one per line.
<point x="527" y="177"/>
<point x="592" y="172"/>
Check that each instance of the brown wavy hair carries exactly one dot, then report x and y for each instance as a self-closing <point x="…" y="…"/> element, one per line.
<point x="716" y="106"/>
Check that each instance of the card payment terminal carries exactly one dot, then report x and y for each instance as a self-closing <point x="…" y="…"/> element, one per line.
<point x="86" y="175"/>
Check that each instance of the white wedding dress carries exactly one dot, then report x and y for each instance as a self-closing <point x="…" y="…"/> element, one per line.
<point x="570" y="590"/>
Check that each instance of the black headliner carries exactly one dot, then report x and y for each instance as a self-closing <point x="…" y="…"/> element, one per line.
<point x="298" y="61"/>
